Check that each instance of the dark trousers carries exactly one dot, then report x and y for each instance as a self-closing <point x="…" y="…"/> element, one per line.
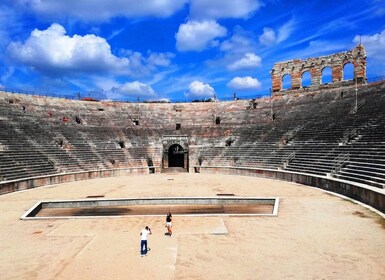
<point x="143" y="247"/>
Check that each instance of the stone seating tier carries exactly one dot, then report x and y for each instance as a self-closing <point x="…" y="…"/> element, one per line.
<point x="304" y="133"/>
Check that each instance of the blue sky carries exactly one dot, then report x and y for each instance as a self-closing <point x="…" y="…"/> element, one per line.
<point x="175" y="49"/>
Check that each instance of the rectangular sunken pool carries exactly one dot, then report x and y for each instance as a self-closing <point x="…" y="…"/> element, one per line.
<point x="196" y="206"/>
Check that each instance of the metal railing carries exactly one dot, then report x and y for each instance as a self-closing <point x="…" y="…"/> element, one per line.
<point x="288" y="136"/>
<point x="287" y="159"/>
<point x="349" y="134"/>
<point x="339" y="162"/>
<point x="356" y="106"/>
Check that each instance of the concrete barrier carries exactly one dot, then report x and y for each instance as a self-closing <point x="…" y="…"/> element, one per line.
<point x="92" y="204"/>
<point x="372" y="196"/>
<point x="34" y="182"/>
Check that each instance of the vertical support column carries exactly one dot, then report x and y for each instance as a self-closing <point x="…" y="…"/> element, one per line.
<point x="359" y="62"/>
<point x="276" y="79"/>
<point x="336" y="73"/>
<point x="185" y="161"/>
<point x="360" y="71"/>
<point x="295" y="69"/>
<point x="296" y="79"/>
<point x="316" y="76"/>
<point x="165" y="158"/>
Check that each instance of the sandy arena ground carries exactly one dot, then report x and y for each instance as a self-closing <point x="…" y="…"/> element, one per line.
<point x="315" y="235"/>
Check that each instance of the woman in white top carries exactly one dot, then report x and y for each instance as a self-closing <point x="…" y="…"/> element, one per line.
<point x="168" y="224"/>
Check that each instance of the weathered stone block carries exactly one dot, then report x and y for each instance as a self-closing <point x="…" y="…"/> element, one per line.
<point x="295" y="68"/>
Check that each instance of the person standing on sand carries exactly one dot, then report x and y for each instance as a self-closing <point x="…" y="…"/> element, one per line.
<point x="143" y="241"/>
<point x="168" y="224"/>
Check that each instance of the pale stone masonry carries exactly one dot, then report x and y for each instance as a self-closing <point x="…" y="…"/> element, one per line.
<point x="296" y="68"/>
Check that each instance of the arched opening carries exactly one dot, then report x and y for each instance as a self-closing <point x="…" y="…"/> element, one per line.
<point x="150" y="164"/>
<point x="306" y="79"/>
<point x="121" y="144"/>
<point x="286" y="82"/>
<point x="348" y="71"/>
<point x="327" y="75"/>
<point x="176" y="156"/>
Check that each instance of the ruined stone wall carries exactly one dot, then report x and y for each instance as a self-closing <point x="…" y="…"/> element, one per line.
<point x="295" y="68"/>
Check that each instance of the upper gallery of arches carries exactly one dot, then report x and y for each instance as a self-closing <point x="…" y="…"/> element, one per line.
<point x="313" y="68"/>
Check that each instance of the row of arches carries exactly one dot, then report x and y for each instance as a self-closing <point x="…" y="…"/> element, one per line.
<point x="326" y="78"/>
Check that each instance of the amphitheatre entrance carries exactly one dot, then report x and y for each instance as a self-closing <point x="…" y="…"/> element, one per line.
<point x="175" y="152"/>
<point x="176" y="156"/>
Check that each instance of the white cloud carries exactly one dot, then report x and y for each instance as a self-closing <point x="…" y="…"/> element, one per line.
<point x="249" y="60"/>
<point x="199" y="89"/>
<point x="53" y="52"/>
<point x="374" y="45"/>
<point x="215" y="9"/>
<point x="141" y="65"/>
<point x="113" y="34"/>
<point x="196" y="36"/>
<point x="238" y="52"/>
<point x="285" y="31"/>
<point x="101" y="10"/>
<point x="134" y="89"/>
<point x="244" y="83"/>
<point x="159" y="59"/>
<point x="270" y="37"/>
<point x="240" y="42"/>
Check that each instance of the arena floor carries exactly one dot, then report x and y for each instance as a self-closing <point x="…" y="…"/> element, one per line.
<point x="315" y="235"/>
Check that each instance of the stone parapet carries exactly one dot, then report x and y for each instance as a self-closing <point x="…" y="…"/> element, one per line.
<point x="373" y="197"/>
<point x="40" y="181"/>
<point x="296" y="68"/>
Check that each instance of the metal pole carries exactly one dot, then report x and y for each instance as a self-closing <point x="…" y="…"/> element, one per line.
<point x="271" y="105"/>
<point x="356" y="96"/>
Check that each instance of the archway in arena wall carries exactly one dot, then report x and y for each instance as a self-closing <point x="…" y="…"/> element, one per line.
<point x="175" y="152"/>
<point x="176" y="156"/>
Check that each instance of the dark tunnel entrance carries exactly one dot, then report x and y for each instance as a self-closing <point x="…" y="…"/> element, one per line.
<point x="176" y="156"/>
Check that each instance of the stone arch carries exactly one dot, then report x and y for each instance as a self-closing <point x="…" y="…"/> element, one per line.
<point x="327" y="76"/>
<point x="176" y="156"/>
<point x="348" y="71"/>
<point x="295" y="68"/>
<point x="306" y="79"/>
<point x="175" y="152"/>
<point x="179" y="143"/>
<point x="286" y="82"/>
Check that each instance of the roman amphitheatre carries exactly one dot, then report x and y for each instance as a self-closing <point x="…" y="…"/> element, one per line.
<point x="283" y="187"/>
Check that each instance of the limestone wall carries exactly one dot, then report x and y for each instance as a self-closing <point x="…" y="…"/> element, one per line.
<point x="34" y="182"/>
<point x="370" y="196"/>
<point x="296" y="68"/>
